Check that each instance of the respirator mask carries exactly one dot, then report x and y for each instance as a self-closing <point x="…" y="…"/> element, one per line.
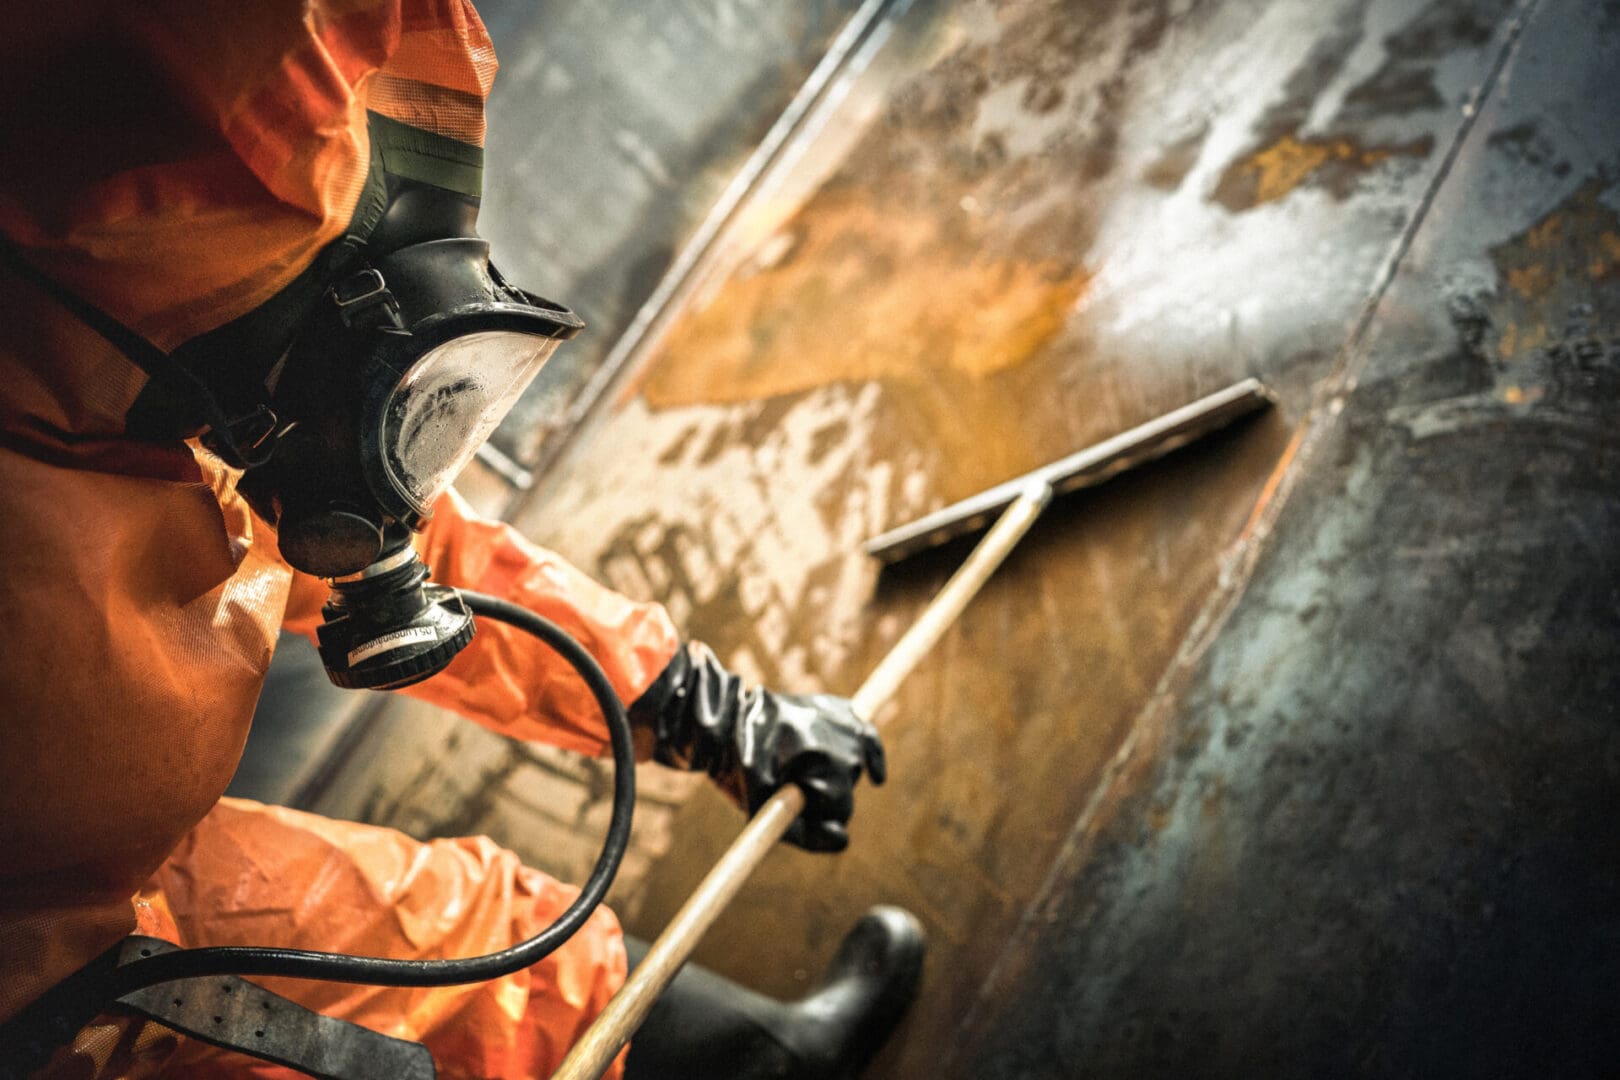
<point x="396" y="375"/>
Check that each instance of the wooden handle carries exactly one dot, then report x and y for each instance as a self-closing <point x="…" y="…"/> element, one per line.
<point x="949" y="602"/>
<point x="595" y="1050"/>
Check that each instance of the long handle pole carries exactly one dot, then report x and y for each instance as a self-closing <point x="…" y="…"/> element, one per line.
<point x="595" y="1050"/>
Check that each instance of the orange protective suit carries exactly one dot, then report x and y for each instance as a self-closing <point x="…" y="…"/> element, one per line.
<point x="176" y="165"/>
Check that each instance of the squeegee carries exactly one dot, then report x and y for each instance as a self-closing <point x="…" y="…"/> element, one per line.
<point x="1082" y="469"/>
<point x="1018" y="502"/>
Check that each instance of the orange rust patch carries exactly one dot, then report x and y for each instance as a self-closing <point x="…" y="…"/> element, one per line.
<point x="1272" y="172"/>
<point x="1516" y="339"/>
<point x="1530" y="281"/>
<point x="1545" y="233"/>
<point x="868" y="291"/>
<point x="1607" y="260"/>
<point x="1550" y="267"/>
<point x="1288" y="163"/>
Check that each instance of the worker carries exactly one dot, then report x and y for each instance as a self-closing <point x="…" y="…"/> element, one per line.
<point x="191" y="199"/>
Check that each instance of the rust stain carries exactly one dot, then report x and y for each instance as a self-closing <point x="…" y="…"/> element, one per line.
<point x="1288" y="163"/>
<point x="1544" y="234"/>
<point x="1607" y="260"/>
<point x="940" y="254"/>
<point x="1517" y="340"/>
<point x="1530" y="281"/>
<point x="1272" y="172"/>
<point x="869" y="290"/>
<point x="1549" y="268"/>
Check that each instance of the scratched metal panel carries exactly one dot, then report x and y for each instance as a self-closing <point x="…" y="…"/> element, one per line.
<point x="1042" y="224"/>
<point x="1375" y="833"/>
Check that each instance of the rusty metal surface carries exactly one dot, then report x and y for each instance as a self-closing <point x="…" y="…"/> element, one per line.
<point x="1061" y="220"/>
<point x="1377" y="837"/>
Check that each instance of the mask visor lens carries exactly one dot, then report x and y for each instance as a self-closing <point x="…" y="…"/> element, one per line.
<point x="450" y="401"/>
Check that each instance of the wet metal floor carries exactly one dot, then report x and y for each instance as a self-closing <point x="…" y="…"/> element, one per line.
<point x="1291" y="754"/>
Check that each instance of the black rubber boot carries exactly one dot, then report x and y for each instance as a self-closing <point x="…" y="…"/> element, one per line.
<point x="708" y="1026"/>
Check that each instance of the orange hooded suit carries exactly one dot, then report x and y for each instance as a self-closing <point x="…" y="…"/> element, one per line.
<point x="176" y="166"/>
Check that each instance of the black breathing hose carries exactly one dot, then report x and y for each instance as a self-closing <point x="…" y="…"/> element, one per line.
<point x="376" y="971"/>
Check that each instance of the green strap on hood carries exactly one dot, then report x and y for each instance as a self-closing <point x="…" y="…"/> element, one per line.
<point x="427" y="157"/>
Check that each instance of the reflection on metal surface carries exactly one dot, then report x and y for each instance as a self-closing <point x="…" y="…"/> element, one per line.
<point x="742" y="520"/>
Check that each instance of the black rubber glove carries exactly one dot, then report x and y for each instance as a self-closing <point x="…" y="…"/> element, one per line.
<point x="753" y="741"/>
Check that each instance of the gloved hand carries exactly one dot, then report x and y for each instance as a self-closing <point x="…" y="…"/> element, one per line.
<point x="752" y="741"/>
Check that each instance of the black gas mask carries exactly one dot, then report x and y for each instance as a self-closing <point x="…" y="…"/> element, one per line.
<point x="397" y="374"/>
